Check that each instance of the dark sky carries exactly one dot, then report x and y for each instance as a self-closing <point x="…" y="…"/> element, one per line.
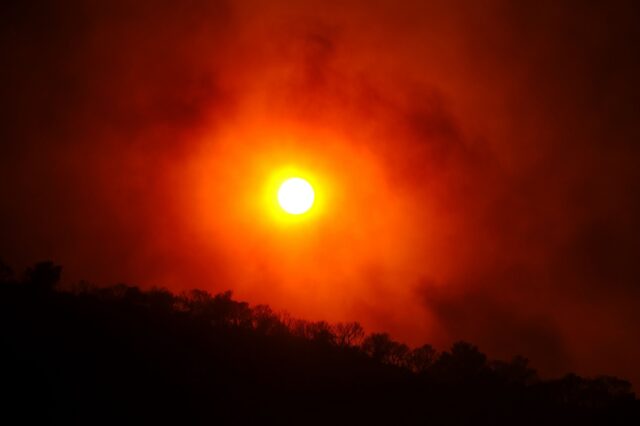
<point x="476" y="162"/>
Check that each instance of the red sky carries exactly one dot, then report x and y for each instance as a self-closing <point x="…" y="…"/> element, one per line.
<point x="475" y="162"/>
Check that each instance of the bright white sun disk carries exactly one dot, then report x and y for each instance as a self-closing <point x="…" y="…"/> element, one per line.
<point x="296" y="196"/>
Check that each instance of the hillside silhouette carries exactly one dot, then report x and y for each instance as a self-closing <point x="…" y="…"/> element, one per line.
<point x="121" y="355"/>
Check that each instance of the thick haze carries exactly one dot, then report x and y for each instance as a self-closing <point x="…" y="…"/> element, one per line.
<point x="476" y="162"/>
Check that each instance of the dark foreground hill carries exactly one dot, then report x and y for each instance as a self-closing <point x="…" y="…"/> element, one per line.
<point x="120" y="355"/>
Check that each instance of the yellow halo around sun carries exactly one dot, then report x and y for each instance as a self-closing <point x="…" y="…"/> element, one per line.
<point x="296" y="196"/>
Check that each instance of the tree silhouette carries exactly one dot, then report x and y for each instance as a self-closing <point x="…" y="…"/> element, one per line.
<point x="379" y="346"/>
<point x="420" y="359"/>
<point x="463" y="363"/>
<point x="43" y="276"/>
<point x="6" y="273"/>
<point x="265" y="321"/>
<point x="349" y="334"/>
<point x="319" y="331"/>
<point x="515" y="372"/>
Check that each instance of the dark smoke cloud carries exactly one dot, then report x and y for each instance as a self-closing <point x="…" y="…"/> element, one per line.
<point x="477" y="316"/>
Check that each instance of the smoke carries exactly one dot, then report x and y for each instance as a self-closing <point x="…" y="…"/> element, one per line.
<point x="477" y="161"/>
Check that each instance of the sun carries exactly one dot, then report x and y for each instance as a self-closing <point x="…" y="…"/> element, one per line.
<point x="296" y="196"/>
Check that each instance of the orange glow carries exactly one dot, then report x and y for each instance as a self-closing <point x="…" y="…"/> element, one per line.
<point x="342" y="253"/>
